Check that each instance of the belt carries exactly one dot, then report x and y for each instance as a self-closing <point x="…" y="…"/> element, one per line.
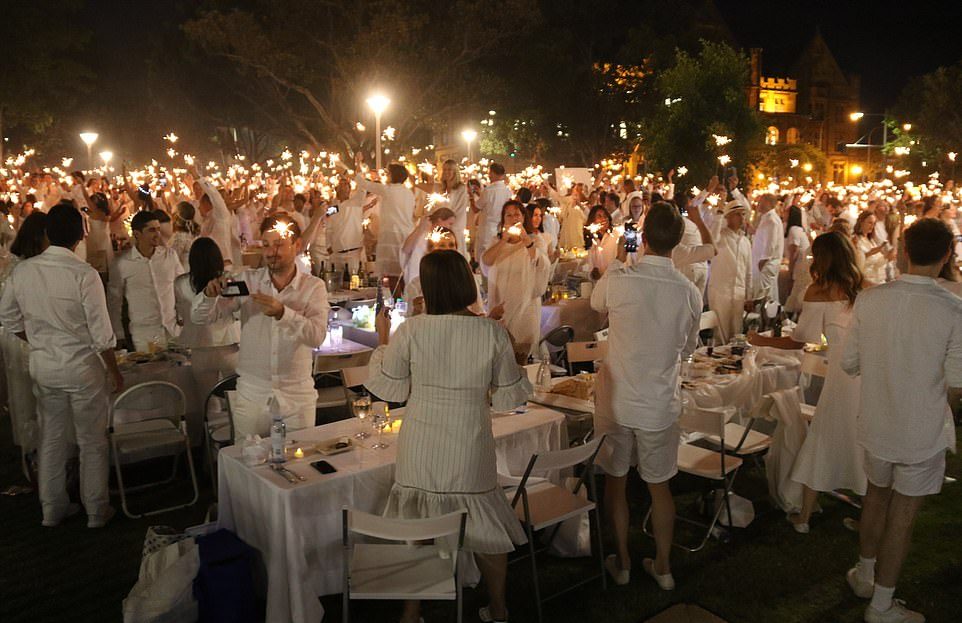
<point x="349" y="250"/>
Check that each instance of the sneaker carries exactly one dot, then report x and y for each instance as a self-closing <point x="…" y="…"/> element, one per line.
<point x="99" y="521"/>
<point x="665" y="582"/>
<point x="72" y="509"/>
<point x="898" y="613"/>
<point x="860" y="588"/>
<point x="801" y="528"/>
<point x="485" y="615"/>
<point x="618" y="575"/>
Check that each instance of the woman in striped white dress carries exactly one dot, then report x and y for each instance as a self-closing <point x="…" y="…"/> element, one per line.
<point x="452" y="368"/>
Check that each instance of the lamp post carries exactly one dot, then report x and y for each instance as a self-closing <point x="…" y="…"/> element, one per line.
<point x="856" y="117"/>
<point x="89" y="138"/>
<point x="378" y="103"/>
<point x="106" y="156"/>
<point x="469" y="135"/>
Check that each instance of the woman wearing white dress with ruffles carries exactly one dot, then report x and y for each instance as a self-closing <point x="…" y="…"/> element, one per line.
<point x="452" y="368"/>
<point x="830" y="457"/>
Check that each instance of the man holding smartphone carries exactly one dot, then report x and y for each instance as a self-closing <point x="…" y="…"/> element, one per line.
<point x="282" y="320"/>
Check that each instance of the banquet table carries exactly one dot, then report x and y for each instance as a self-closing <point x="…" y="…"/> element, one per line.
<point x="297" y="527"/>
<point x="346" y="354"/>
<point x="339" y="297"/>
<point x="576" y="313"/>
<point x="366" y="337"/>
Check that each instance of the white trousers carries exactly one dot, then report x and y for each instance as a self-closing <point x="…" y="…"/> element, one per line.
<point x="731" y="314"/>
<point x="252" y="416"/>
<point x="85" y="409"/>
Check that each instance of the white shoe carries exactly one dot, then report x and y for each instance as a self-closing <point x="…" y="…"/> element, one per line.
<point x="898" y="613"/>
<point x="801" y="528"/>
<point x="665" y="582"/>
<point x="618" y="575"/>
<point x="72" y="509"/>
<point x="485" y="615"/>
<point x="99" y="521"/>
<point x="859" y="587"/>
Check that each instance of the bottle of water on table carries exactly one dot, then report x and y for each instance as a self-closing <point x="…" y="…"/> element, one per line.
<point x="278" y="433"/>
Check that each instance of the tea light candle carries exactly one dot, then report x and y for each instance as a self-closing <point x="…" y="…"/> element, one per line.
<point x="298" y="454"/>
<point x="395" y="426"/>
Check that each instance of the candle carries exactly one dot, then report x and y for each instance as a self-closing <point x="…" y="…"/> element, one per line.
<point x="299" y="454"/>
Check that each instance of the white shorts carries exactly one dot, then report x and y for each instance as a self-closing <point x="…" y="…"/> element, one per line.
<point x="911" y="479"/>
<point x="655" y="453"/>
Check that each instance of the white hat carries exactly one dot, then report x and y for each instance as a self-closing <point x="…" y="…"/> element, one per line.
<point x="733" y="205"/>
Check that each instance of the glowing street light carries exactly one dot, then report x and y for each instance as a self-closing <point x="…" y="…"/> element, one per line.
<point x="469" y="135"/>
<point x="856" y="116"/>
<point x="106" y="156"/>
<point x="378" y="103"/>
<point x="856" y="169"/>
<point x="807" y="167"/>
<point x="907" y="127"/>
<point x="89" y="138"/>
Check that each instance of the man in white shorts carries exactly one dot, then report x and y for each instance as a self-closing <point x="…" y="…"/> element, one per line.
<point x="906" y="343"/>
<point x="653" y="314"/>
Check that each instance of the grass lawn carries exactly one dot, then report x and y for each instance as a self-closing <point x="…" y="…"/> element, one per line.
<point x="767" y="574"/>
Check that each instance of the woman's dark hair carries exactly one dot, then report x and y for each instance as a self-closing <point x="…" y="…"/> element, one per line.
<point x="794" y="219"/>
<point x="32" y="237"/>
<point x="525" y="216"/>
<point x="927" y="241"/>
<point x="205" y="262"/>
<point x="834" y="264"/>
<point x="863" y="216"/>
<point x="184" y="218"/>
<point x="397" y="173"/>
<point x="524" y="195"/>
<point x="65" y="225"/>
<point x="529" y="216"/>
<point x="446" y="282"/>
<point x="663" y="227"/>
<point x="594" y="212"/>
<point x="100" y="202"/>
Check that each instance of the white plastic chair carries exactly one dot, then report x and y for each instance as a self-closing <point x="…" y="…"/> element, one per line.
<point x="147" y="422"/>
<point x="547" y="505"/>
<point x="580" y="352"/>
<point x="717" y="467"/>
<point x="402" y="570"/>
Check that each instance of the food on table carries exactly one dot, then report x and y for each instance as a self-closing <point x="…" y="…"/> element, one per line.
<point x="581" y="387"/>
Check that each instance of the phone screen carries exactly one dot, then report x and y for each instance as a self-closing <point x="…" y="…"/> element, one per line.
<point x="631" y="240"/>
<point x="235" y="288"/>
<point x="323" y="467"/>
<point x="331" y="211"/>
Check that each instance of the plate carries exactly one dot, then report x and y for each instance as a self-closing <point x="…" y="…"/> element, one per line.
<point x="327" y="447"/>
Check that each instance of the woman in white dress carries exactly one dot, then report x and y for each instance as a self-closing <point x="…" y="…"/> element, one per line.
<point x="830" y="457"/>
<point x="213" y="346"/>
<point x="416" y="244"/>
<point x="877" y="253"/>
<point x="601" y="242"/>
<point x="797" y="245"/>
<point x="452" y="368"/>
<point x="518" y="275"/>
<point x="536" y="214"/>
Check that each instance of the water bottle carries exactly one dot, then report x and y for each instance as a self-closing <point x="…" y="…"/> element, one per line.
<point x="544" y="375"/>
<point x="278" y="433"/>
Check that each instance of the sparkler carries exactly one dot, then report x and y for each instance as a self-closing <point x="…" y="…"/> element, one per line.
<point x="724" y="159"/>
<point x="682" y="170"/>
<point x="720" y="140"/>
<point x="171" y="138"/>
<point x="283" y="229"/>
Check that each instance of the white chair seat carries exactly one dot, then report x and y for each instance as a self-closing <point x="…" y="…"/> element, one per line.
<point x="705" y="463"/>
<point x="139" y="441"/>
<point x="330" y="397"/>
<point x="398" y="571"/>
<point x="808" y="411"/>
<point x="754" y="442"/>
<point x="221" y="434"/>
<point x="550" y="504"/>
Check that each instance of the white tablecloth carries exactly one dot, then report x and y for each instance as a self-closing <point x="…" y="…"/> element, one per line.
<point x="576" y="313"/>
<point x="347" y="354"/>
<point x="297" y="528"/>
<point x="774" y="370"/>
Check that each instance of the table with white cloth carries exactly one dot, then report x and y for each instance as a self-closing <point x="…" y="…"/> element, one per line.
<point x="297" y="527"/>
<point x="576" y="313"/>
<point x="344" y="354"/>
<point x="366" y="337"/>
<point x="178" y="373"/>
<point x="339" y="297"/>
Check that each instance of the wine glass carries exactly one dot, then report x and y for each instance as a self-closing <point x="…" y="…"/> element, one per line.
<point x="379" y="419"/>
<point x="361" y="406"/>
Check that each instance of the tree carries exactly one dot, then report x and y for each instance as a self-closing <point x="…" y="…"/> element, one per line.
<point x="701" y="97"/>
<point x="785" y="161"/>
<point x="37" y="72"/>
<point x="310" y="64"/>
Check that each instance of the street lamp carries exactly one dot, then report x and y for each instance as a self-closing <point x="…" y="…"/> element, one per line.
<point x="907" y="127"/>
<point x="89" y="138"/>
<point x="106" y="156"/>
<point x="378" y="103"/>
<point x="469" y="135"/>
<point x="856" y="117"/>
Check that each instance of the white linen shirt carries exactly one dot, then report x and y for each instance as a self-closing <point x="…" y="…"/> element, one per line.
<point x="691" y="254"/>
<point x="218" y="223"/>
<point x="395" y="223"/>
<point x="768" y="243"/>
<point x="148" y="286"/>
<point x="906" y="343"/>
<point x="345" y="229"/>
<point x="276" y="356"/>
<point x="492" y="201"/>
<point x="58" y="300"/>
<point x="653" y="314"/>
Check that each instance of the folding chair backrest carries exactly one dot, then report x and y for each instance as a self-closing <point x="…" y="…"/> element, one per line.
<point x="391" y="529"/>
<point x="354" y="377"/>
<point x="586" y="351"/>
<point x="222" y="386"/>
<point x="707" y="421"/>
<point x="814" y="364"/>
<point x="601" y="336"/>
<point x="150" y="400"/>
<point x="709" y="320"/>
<point x="559" y="336"/>
<point x="560" y="459"/>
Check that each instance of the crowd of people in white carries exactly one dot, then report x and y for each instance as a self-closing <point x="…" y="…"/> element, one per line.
<point x="100" y="264"/>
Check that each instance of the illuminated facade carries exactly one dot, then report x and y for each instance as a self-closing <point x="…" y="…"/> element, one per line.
<point x="811" y="106"/>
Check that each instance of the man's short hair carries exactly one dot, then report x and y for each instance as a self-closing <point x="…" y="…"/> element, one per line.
<point x="140" y="220"/>
<point x="273" y="220"/>
<point x="65" y="225"/>
<point x="928" y="241"/>
<point x="496" y="168"/>
<point x="663" y="228"/>
<point x="397" y="173"/>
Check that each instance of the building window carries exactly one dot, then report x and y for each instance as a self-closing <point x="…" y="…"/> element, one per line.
<point x="791" y="137"/>
<point x="771" y="137"/>
<point x="838" y="172"/>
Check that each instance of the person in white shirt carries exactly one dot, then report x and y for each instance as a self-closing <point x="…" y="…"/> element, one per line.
<point x="215" y="219"/>
<point x="767" y="249"/>
<point x="143" y="277"/>
<point x="730" y="282"/>
<point x="345" y="234"/>
<point x="653" y="315"/>
<point x="282" y="321"/>
<point x="416" y="245"/>
<point x="492" y="201"/>
<point x="600" y="241"/>
<point x="55" y="301"/>
<point x="691" y="255"/>
<point x="906" y="344"/>
<point x="395" y="221"/>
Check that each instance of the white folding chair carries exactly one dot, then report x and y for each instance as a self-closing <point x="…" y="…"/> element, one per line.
<point x="717" y="467"/>
<point x="353" y="377"/>
<point x="147" y="422"/>
<point x="402" y="570"/>
<point x="546" y="505"/>
<point x="741" y="440"/>
<point x="601" y="336"/>
<point x="814" y="365"/>
<point x="580" y="352"/>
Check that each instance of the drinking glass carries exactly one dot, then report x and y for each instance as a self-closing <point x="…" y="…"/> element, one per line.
<point x="361" y="407"/>
<point x="379" y="419"/>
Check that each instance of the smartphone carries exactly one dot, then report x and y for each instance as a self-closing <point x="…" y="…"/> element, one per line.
<point x="631" y="238"/>
<point x="331" y="211"/>
<point x="235" y="288"/>
<point x="143" y="190"/>
<point x="163" y="182"/>
<point x="324" y="467"/>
